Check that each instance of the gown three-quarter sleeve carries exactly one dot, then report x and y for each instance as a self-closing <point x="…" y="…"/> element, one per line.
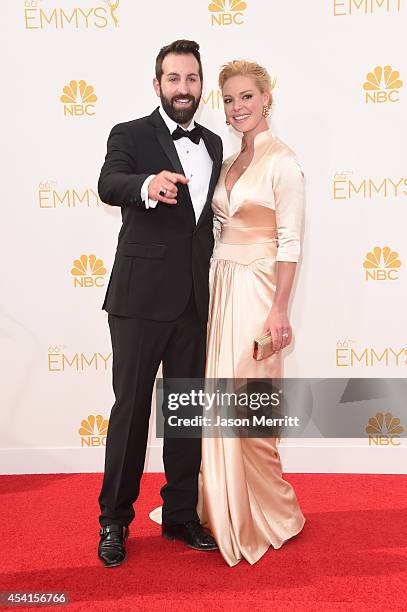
<point x="288" y="188"/>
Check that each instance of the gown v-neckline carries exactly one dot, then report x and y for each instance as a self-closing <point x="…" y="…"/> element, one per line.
<point x="258" y="137"/>
<point x="229" y="191"/>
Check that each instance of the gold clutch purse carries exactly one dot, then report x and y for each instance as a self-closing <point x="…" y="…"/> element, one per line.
<point x="263" y="347"/>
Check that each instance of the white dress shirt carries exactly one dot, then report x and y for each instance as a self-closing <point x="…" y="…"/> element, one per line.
<point x="196" y="163"/>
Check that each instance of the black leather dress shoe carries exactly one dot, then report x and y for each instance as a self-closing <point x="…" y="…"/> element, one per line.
<point x="112" y="550"/>
<point x="192" y="533"/>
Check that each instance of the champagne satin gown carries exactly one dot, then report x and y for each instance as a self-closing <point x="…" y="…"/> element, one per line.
<point x="244" y="499"/>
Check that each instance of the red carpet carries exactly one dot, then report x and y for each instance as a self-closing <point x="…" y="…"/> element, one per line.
<point x="351" y="555"/>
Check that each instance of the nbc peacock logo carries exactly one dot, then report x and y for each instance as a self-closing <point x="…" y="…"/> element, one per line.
<point x="93" y="431"/>
<point x="88" y="271"/>
<point x="382" y="264"/>
<point x="384" y="429"/>
<point x="78" y="99"/>
<point x="382" y="85"/>
<point x="227" y="12"/>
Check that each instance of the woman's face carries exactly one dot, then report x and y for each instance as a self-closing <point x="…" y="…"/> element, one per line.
<point x="243" y="102"/>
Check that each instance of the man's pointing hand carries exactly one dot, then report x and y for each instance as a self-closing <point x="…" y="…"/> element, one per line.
<point x="163" y="187"/>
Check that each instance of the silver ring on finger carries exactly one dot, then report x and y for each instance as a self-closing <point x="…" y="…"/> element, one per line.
<point x="162" y="192"/>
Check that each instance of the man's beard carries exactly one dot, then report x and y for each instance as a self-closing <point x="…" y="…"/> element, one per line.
<point x="180" y="115"/>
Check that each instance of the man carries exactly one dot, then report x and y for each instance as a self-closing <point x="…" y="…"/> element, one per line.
<point x="163" y="176"/>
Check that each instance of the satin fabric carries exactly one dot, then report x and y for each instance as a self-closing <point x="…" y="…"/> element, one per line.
<point x="243" y="498"/>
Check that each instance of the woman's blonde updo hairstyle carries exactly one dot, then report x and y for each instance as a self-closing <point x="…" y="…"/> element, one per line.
<point x="250" y="69"/>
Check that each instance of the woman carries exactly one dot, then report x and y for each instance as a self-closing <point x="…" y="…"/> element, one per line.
<point x="258" y="208"/>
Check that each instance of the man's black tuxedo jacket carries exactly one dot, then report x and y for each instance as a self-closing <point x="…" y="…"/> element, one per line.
<point x="162" y="253"/>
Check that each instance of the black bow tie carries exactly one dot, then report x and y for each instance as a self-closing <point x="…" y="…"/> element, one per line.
<point x="195" y="135"/>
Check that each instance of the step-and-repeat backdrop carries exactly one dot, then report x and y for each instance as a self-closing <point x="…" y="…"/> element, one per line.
<point x="71" y="70"/>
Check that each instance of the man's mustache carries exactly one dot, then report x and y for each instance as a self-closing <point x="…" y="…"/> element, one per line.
<point x="176" y="98"/>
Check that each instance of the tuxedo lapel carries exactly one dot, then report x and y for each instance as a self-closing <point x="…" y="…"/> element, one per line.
<point x="216" y="163"/>
<point x="167" y="143"/>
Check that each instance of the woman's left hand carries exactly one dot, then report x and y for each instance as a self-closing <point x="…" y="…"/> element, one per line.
<point x="278" y="324"/>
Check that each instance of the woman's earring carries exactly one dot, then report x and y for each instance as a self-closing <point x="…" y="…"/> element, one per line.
<point x="266" y="111"/>
<point x="227" y="122"/>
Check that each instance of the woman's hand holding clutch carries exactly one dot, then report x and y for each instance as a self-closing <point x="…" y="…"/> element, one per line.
<point x="278" y="325"/>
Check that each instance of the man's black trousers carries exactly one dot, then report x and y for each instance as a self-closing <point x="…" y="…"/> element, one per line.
<point x="139" y="345"/>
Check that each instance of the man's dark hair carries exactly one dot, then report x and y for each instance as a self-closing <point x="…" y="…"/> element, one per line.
<point x="180" y="47"/>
